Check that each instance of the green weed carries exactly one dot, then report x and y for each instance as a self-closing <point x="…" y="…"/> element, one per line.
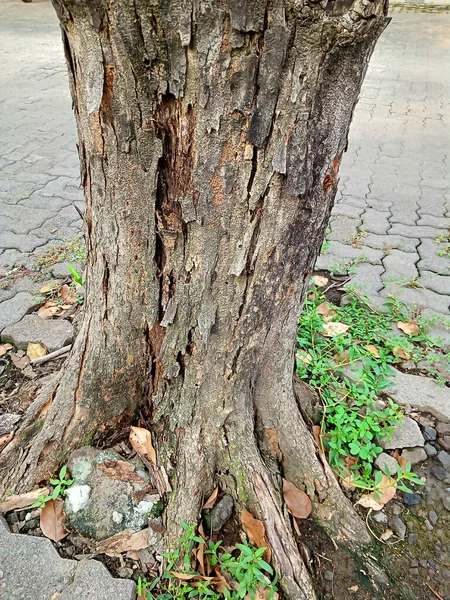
<point x="238" y="573"/>
<point x="60" y="484"/>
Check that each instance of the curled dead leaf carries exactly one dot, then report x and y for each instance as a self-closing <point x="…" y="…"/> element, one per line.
<point x="377" y="500"/>
<point x="298" y="503"/>
<point x="410" y="328"/>
<point x="373" y="350"/>
<point x="5" y="439"/>
<point x="124" y="541"/>
<point x="400" y="353"/>
<point x="272" y="438"/>
<point x="120" y="469"/>
<point x="212" y="499"/>
<point x="35" y="350"/>
<point x="53" y="519"/>
<point x="256" y="532"/>
<point x="141" y="441"/>
<point x="386" y="535"/>
<point x="334" y="328"/>
<point x="47" y="312"/>
<point x="303" y="357"/>
<point x="319" y="281"/>
<point x="68" y="295"/>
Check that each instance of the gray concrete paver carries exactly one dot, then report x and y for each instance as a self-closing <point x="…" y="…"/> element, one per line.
<point x="399" y="148"/>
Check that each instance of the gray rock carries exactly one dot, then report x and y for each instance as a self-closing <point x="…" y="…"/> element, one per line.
<point x="412" y="538"/>
<point x="398" y="527"/>
<point x="98" y="497"/>
<point x="444" y="458"/>
<point x="221" y="513"/>
<point x="411" y="499"/>
<point x="428" y="525"/>
<point x="52" y="333"/>
<point x="414" y="572"/>
<point x="438" y="471"/>
<point x="60" y="270"/>
<point x="406" y="434"/>
<point x="31" y="568"/>
<point x="446" y="502"/>
<point x="379" y="517"/>
<point x="385" y="460"/>
<point x="8" y="421"/>
<point x="421" y="393"/>
<point x="12" y="310"/>
<point x="429" y="433"/>
<point x="414" y="455"/>
<point x="433" y="518"/>
<point x="444" y="442"/>
<point x="443" y="429"/>
<point x="430" y="450"/>
<point x="328" y="575"/>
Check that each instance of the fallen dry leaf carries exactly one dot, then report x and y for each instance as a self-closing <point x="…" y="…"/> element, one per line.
<point x="47" y="311"/>
<point x="386" y="535"/>
<point x="326" y="311"/>
<point x="5" y="439"/>
<point x="49" y="287"/>
<point x="68" y="295"/>
<point x="400" y="353"/>
<point x="22" y="500"/>
<point x="124" y="541"/>
<point x="35" y="350"/>
<point x="373" y="350"/>
<point x="298" y="503"/>
<point x="256" y="532"/>
<point x="410" y="328"/>
<point x="52" y="520"/>
<point x="4" y="348"/>
<point x="378" y="500"/>
<point x="212" y="499"/>
<point x="187" y="576"/>
<point x="20" y="361"/>
<point x="262" y="593"/>
<point x="319" y="280"/>
<point x="141" y="441"/>
<point x="120" y="469"/>
<point x="400" y="459"/>
<point x="334" y="328"/>
<point x="317" y="434"/>
<point x="272" y="437"/>
<point x="303" y="357"/>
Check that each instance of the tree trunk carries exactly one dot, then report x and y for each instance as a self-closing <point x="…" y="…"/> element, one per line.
<point x="211" y="133"/>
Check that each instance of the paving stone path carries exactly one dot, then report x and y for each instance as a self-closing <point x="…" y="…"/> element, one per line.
<point x="394" y="198"/>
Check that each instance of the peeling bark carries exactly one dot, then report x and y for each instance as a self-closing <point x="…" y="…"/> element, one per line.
<point x="211" y="134"/>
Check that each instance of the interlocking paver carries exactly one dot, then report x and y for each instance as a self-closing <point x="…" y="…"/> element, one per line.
<point x="395" y="177"/>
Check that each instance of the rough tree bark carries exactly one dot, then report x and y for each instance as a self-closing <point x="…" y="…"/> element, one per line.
<point x="211" y="133"/>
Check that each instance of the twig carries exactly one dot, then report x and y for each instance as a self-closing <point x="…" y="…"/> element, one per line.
<point x="41" y="360"/>
<point x="336" y="283"/>
<point x="434" y="592"/>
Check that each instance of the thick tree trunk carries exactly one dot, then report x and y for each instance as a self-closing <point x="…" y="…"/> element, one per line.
<point x="211" y="133"/>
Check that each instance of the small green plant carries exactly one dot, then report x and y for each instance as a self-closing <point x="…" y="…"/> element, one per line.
<point x="71" y="250"/>
<point x="60" y="484"/>
<point x="76" y="277"/>
<point x="443" y="240"/>
<point x="350" y="371"/>
<point x="238" y="573"/>
<point x="357" y="239"/>
<point x="347" y="267"/>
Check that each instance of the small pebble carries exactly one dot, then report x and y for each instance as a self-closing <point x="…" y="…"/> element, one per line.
<point x="398" y="526"/>
<point x="70" y="550"/>
<point x="433" y="518"/>
<point x="432" y="563"/>
<point x="423" y="563"/>
<point x="444" y="458"/>
<point x="439" y="472"/>
<point x="380" y="517"/>
<point x="430" y="434"/>
<point x="414" y="572"/>
<point x="397" y="510"/>
<point x="430" y="450"/>
<point x="414" y="563"/>
<point x="412" y="538"/>
<point x="446" y="502"/>
<point x="446" y="574"/>
<point x="328" y="575"/>
<point x="411" y="499"/>
<point x="125" y="572"/>
<point x="428" y="525"/>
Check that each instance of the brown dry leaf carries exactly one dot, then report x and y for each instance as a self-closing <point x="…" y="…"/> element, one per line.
<point x="334" y="328"/>
<point x="120" y="469"/>
<point x="141" y="441"/>
<point x="68" y="295"/>
<point x="386" y="535"/>
<point x="47" y="311"/>
<point x="5" y="439"/>
<point x="298" y="503"/>
<point x="124" y="541"/>
<point x="212" y="499"/>
<point x="316" y="432"/>
<point x="20" y="362"/>
<point x="261" y="594"/>
<point x="35" y="350"/>
<point x="385" y="494"/>
<point x="303" y="357"/>
<point x="400" y="353"/>
<point x="323" y="309"/>
<point x="52" y="520"/>
<point x="410" y="328"/>
<point x="49" y="287"/>
<point x="373" y="350"/>
<point x="311" y="296"/>
<point x="319" y="280"/>
<point x="400" y="459"/>
<point x="187" y="576"/>
<point x="256" y="533"/>
<point x="4" y="348"/>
